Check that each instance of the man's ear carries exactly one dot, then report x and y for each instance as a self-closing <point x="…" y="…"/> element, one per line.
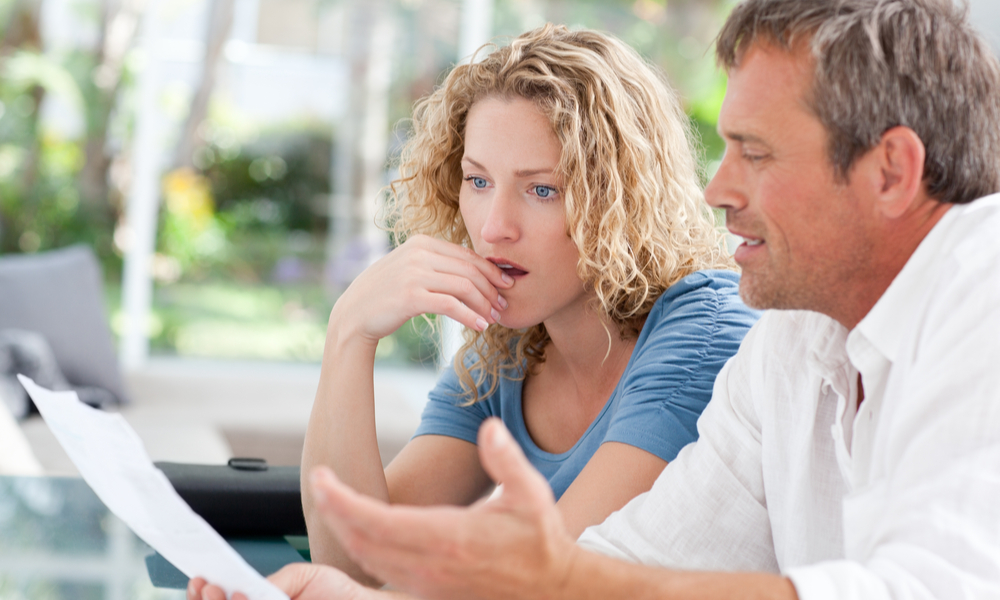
<point x="898" y="169"/>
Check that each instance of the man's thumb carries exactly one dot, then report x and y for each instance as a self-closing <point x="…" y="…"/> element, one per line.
<point x="506" y="464"/>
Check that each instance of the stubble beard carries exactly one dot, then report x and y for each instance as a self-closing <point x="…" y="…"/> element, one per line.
<point x="820" y="287"/>
<point x="766" y="291"/>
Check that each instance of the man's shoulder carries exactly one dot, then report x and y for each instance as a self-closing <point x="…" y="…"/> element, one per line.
<point x="959" y="257"/>
<point x="977" y="229"/>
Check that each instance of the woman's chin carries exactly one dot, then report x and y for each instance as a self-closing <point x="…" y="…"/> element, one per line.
<point x="515" y="321"/>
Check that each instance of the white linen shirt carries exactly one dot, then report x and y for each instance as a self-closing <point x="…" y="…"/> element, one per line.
<point x="897" y="498"/>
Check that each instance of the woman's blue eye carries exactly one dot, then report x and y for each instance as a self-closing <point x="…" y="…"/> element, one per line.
<point x="478" y="182"/>
<point x="544" y="191"/>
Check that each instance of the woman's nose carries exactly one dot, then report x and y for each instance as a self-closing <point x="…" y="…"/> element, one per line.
<point x="502" y="222"/>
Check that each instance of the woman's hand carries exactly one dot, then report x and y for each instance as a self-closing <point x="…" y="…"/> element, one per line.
<point x="423" y="275"/>
<point x="301" y="581"/>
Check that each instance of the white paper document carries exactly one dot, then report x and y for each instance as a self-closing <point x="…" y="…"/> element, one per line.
<point x="112" y="460"/>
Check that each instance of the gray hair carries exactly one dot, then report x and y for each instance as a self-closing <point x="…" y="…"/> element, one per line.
<point x="885" y="63"/>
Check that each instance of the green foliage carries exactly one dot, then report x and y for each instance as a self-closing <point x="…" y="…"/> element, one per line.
<point x="251" y="210"/>
<point x="273" y="183"/>
<point x="43" y="203"/>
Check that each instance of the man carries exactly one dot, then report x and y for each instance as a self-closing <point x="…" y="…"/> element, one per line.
<point x="852" y="446"/>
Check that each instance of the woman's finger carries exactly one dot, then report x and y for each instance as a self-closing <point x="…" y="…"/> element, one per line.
<point x="194" y="588"/>
<point x="424" y="262"/>
<point x="494" y="274"/>
<point x="213" y="592"/>
<point x="450" y="306"/>
<point x="462" y="290"/>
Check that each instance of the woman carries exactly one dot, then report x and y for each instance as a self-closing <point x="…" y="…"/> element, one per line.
<point x="549" y="201"/>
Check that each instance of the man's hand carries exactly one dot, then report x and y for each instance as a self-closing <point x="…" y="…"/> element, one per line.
<point x="301" y="581"/>
<point x="513" y="545"/>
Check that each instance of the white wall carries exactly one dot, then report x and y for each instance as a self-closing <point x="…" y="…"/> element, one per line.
<point x="985" y="15"/>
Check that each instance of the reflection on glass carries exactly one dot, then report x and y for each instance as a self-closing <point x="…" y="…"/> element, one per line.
<point x="58" y="541"/>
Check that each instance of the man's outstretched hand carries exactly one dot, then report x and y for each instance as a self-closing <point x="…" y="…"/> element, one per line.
<point x="301" y="581"/>
<point x="512" y="545"/>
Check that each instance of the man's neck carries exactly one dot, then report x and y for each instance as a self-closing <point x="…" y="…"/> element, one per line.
<point x="894" y="245"/>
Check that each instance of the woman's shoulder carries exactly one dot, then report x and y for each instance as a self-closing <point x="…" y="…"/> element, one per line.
<point x="449" y="388"/>
<point x="713" y="281"/>
<point x="702" y="308"/>
<point x="707" y="292"/>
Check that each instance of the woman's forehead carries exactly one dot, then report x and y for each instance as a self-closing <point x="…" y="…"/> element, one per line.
<point x="512" y="134"/>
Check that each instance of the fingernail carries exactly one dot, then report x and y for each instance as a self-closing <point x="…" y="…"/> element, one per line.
<point x="502" y="301"/>
<point x="494" y="314"/>
<point x="481" y="324"/>
<point x="506" y="278"/>
<point x="496" y="438"/>
<point x="319" y="494"/>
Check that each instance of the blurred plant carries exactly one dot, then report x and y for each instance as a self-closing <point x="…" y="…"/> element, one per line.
<point x="270" y="195"/>
<point x="190" y="233"/>
<point x="55" y="187"/>
<point x="278" y="181"/>
<point x="251" y="210"/>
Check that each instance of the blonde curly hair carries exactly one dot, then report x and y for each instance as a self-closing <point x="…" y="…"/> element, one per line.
<point x="632" y="197"/>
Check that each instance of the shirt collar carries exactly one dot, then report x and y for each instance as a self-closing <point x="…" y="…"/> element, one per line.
<point x="827" y="355"/>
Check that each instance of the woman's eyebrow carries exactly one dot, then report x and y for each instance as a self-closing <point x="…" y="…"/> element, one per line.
<point x="474" y="163"/>
<point x="530" y="172"/>
<point x="518" y="173"/>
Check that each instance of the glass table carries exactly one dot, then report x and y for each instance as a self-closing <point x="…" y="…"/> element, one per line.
<point x="58" y="541"/>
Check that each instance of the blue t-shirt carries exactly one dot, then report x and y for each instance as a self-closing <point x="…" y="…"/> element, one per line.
<point x="692" y="330"/>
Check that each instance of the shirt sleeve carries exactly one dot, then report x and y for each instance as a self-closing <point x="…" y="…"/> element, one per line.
<point x="929" y="525"/>
<point x="444" y="414"/>
<point x="707" y="508"/>
<point x="693" y="330"/>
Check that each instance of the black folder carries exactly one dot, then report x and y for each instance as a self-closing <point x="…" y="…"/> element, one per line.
<point x="245" y="498"/>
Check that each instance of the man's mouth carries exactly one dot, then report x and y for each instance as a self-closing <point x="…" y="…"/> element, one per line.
<point x="747" y="249"/>
<point x="747" y="240"/>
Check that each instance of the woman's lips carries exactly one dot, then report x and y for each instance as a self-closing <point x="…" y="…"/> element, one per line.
<point x="510" y="268"/>
<point x="514" y="272"/>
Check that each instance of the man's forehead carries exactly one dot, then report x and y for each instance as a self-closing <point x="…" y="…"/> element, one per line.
<point x="768" y="82"/>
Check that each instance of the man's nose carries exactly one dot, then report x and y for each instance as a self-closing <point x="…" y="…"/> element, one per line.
<point x="724" y="190"/>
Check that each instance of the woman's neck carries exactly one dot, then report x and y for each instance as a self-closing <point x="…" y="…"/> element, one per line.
<point x="588" y="351"/>
<point x="583" y="363"/>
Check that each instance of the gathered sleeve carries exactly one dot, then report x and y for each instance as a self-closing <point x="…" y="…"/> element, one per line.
<point x="693" y="329"/>
<point x="445" y="413"/>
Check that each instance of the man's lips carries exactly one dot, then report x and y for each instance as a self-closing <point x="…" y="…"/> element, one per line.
<point x="511" y="268"/>
<point x="748" y="241"/>
<point x="748" y="248"/>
